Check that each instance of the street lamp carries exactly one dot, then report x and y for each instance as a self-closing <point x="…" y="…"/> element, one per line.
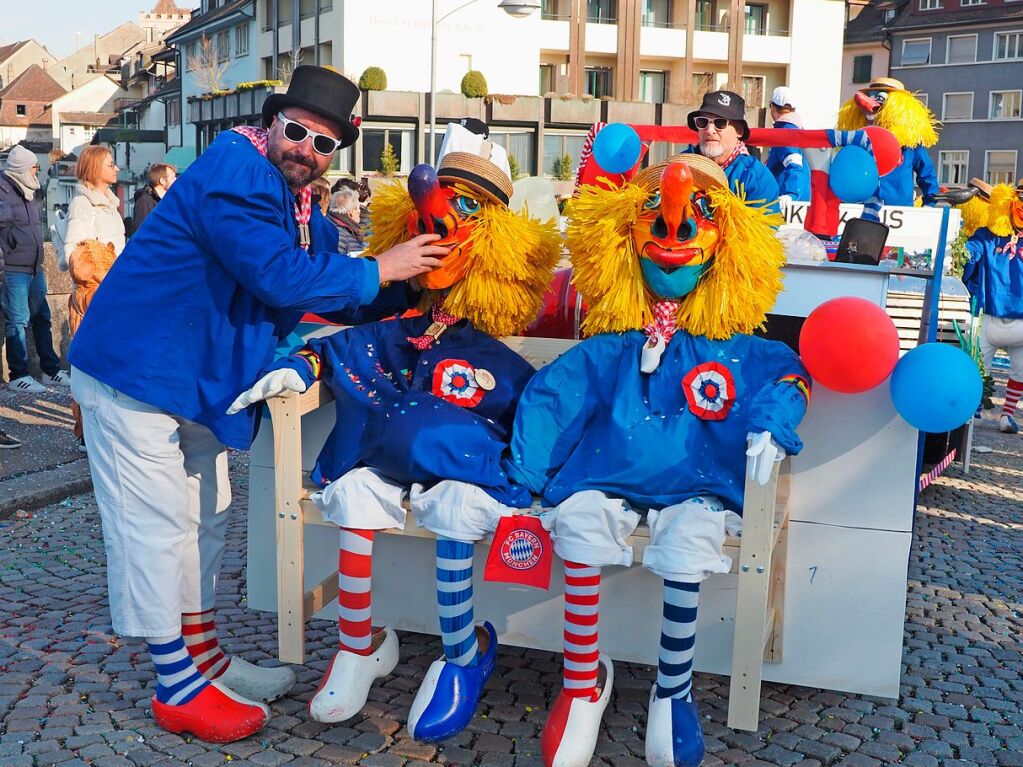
<point x="518" y="9"/>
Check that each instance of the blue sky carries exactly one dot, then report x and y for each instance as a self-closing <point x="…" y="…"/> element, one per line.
<point x="55" y="22"/>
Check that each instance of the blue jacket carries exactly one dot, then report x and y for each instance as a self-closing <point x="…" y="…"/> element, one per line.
<point x="419" y="416"/>
<point x="994" y="275"/>
<point x="747" y="174"/>
<point x="591" y="420"/>
<point x="788" y="166"/>
<point x="897" y="186"/>
<point x="192" y="309"/>
<point x="21" y="235"/>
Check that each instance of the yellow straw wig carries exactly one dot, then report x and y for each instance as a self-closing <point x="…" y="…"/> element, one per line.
<point x="733" y="297"/>
<point x="999" y="219"/>
<point x="511" y="260"/>
<point x="975" y="213"/>
<point x="903" y="114"/>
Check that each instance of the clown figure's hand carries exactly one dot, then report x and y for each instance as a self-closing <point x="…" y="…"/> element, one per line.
<point x="270" y="385"/>
<point x="765" y="452"/>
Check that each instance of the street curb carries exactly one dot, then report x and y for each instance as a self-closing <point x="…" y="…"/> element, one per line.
<point x="40" y="488"/>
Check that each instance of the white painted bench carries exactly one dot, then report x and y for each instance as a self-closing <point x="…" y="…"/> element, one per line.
<point x="758" y="557"/>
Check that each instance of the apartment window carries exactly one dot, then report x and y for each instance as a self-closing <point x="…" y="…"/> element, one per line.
<point x="599" y="81"/>
<point x="930" y="5"/>
<point x="1000" y="166"/>
<point x="957" y="106"/>
<point x="546" y="79"/>
<point x="285" y="9"/>
<point x="558" y="145"/>
<point x="651" y="86"/>
<point x="962" y="49"/>
<point x="968" y="3"/>
<point x="306" y="8"/>
<point x="1004" y="105"/>
<point x="756" y="19"/>
<point x="753" y="92"/>
<point x="223" y="45"/>
<point x="923" y="98"/>
<point x="916" y="52"/>
<point x="703" y="82"/>
<point x="862" y="67"/>
<point x="706" y="18"/>
<point x="520" y="145"/>
<point x="551" y="10"/>
<point x="402" y="140"/>
<point x="1008" y="45"/>
<point x="173" y="112"/>
<point x="656" y="13"/>
<point x="602" y="11"/>
<point x="190" y="55"/>
<point x="889" y="15"/>
<point x="241" y="40"/>
<point x="22" y="110"/>
<point x="953" y="166"/>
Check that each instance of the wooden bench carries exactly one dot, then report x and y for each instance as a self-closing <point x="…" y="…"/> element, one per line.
<point x="758" y="556"/>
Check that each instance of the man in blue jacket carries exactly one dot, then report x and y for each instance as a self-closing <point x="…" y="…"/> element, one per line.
<point x="188" y="315"/>
<point x="720" y="124"/>
<point x="787" y="163"/>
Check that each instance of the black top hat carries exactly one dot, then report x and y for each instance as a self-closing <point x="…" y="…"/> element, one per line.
<point x="724" y="104"/>
<point x="319" y="90"/>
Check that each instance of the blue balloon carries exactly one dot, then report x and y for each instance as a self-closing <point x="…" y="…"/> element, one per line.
<point x="616" y="148"/>
<point x="853" y="174"/>
<point x="936" y="387"/>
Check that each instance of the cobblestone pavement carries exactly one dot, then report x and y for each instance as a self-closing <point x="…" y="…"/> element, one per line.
<point x="72" y="694"/>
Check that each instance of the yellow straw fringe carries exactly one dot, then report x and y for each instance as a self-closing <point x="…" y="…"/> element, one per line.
<point x="511" y="260"/>
<point x="1002" y="198"/>
<point x="735" y="295"/>
<point x="975" y="214"/>
<point x="903" y="114"/>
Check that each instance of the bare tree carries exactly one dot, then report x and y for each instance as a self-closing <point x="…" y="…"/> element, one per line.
<point x="289" y="63"/>
<point x="207" y="65"/>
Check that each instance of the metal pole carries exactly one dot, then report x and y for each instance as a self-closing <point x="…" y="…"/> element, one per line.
<point x="433" y="82"/>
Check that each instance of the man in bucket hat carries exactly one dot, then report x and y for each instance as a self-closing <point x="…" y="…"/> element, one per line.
<point x="188" y="316"/>
<point x="720" y="124"/>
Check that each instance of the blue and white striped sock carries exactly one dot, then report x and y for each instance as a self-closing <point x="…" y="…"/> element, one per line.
<point x="177" y="678"/>
<point x="678" y="636"/>
<point x="454" y="601"/>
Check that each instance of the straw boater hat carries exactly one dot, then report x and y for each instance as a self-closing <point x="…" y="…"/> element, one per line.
<point x="885" y="84"/>
<point x="706" y="173"/>
<point x="472" y="160"/>
<point x="983" y="188"/>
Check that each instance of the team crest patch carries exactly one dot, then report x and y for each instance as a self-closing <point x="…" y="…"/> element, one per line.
<point x="521" y="550"/>
<point x="710" y="391"/>
<point x="455" y="381"/>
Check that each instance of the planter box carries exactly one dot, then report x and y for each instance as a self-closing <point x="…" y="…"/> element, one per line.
<point x="675" y="114"/>
<point x="575" y="111"/>
<point x="455" y="106"/>
<point x="633" y="112"/>
<point x="524" y="109"/>
<point x="389" y="103"/>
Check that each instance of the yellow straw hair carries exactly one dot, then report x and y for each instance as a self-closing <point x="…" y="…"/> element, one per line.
<point x="999" y="219"/>
<point x="908" y="119"/>
<point x="975" y="214"/>
<point x="733" y="297"/>
<point x="511" y="260"/>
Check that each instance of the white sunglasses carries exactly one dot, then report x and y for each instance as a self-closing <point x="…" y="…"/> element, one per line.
<point x="296" y="133"/>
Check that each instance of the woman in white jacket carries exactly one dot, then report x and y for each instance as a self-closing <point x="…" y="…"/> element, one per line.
<point x="92" y="215"/>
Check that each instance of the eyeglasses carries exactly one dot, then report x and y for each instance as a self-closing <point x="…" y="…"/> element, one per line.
<point x="701" y="123"/>
<point x="296" y="133"/>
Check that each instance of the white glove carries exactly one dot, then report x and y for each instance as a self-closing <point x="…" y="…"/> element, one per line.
<point x="765" y="452"/>
<point x="268" y="386"/>
<point x="784" y="200"/>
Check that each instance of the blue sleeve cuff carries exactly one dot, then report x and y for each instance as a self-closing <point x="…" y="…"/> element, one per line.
<point x="370" y="281"/>
<point x="293" y="362"/>
<point x="519" y="475"/>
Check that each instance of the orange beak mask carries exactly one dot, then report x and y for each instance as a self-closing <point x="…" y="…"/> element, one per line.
<point x="440" y="209"/>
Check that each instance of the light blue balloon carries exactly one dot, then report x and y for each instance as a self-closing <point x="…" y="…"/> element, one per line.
<point x="936" y="387"/>
<point x="853" y="174"/>
<point x="616" y="148"/>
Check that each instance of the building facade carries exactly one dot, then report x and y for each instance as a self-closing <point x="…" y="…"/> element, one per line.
<point x="965" y="58"/>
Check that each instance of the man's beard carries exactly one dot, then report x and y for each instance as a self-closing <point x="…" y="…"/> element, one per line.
<point x="712" y="150"/>
<point x="298" y="170"/>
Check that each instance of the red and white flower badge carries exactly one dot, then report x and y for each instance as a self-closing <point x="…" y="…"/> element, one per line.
<point x="460" y="383"/>
<point x="709" y="390"/>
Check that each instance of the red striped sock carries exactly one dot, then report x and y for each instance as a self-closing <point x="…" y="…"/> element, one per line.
<point x="354" y="599"/>
<point x="199" y="631"/>
<point x="1013" y="392"/>
<point x="582" y="612"/>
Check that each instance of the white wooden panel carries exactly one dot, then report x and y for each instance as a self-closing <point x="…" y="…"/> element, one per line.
<point x="807" y="287"/>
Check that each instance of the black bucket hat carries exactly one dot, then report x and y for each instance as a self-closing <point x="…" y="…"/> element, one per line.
<point x="725" y="104"/>
<point x="320" y="90"/>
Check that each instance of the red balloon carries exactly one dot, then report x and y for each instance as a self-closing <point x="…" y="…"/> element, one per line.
<point x="887" y="151"/>
<point x="849" y="345"/>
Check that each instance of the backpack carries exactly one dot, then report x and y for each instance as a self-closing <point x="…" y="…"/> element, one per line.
<point x="58" y="236"/>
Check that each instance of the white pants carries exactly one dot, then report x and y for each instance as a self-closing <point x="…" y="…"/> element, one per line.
<point x="998" y="333"/>
<point x="161" y="486"/>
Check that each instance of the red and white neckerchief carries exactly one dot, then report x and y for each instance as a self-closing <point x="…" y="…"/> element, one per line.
<point x="740" y="148"/>
<point x="664" y="324"/>
<point x="304" y="203"/>
<point x="441" y="322"/>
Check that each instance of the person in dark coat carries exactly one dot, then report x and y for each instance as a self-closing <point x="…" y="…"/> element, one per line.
<point x="25" y="281"/>
<point x="160" y="177"/>
<point x="7" y="442"/>
<point x="345" y="213"/>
